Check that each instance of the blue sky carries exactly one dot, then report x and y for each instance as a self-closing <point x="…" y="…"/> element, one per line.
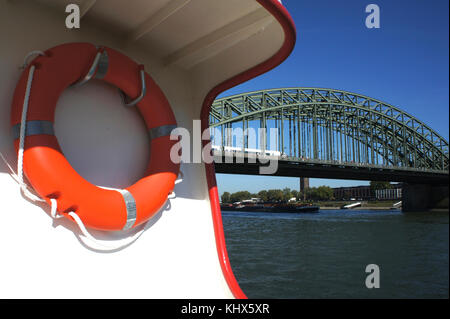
<point x="404" y="63"/>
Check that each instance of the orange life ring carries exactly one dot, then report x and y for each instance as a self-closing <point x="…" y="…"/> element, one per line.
<point x="48" y="170"/>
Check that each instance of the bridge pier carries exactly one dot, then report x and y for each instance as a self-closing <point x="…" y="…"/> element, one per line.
<point x="424" y="197"/>
<point x="304" y="184"/>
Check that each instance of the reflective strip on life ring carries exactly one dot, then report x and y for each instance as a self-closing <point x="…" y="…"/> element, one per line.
<point x="48" y="170"/>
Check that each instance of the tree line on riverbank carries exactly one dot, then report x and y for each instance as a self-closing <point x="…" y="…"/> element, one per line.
<point x="280" y="195"/>
<point x="321" y="193"/>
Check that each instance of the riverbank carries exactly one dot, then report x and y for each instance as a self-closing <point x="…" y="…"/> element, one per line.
<point x="307" y="207"/>
<point x="365" y="204"/>
<point x="360" y="208"/>
<point x="271" y="207"/>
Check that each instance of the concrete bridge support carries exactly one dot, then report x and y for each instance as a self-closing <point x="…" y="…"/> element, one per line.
<point x="304" y="184"/>
<point x="424" y="197"/>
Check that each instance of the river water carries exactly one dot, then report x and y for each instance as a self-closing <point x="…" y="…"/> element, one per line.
<point x="324" y="255"/>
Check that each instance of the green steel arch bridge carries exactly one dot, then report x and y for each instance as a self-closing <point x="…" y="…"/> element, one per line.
<point x="316" y="132"/>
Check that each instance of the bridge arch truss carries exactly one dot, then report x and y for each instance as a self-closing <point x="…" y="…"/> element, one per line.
<point x="332" y="126"/>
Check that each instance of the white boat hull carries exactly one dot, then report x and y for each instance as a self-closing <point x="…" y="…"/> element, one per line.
<point x="177" y="255"/>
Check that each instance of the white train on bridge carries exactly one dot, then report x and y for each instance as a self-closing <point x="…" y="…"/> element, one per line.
<point x="232" y="149"/>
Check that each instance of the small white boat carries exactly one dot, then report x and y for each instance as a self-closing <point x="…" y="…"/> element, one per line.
<point x="353" y="205"/>
<point x="397" y="205"/>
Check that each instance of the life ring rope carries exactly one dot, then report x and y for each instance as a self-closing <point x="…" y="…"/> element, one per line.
<point x="22" y="135"/>
<point x="98" y="245"/>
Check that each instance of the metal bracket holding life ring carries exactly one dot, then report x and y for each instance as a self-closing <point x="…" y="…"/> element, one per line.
<point x="42" y="143"/>
<point x="100" y="65"/>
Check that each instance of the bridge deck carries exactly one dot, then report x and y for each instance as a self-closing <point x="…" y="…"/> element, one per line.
<point x="248" y="164"/>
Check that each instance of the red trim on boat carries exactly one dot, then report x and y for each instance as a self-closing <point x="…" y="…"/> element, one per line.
<point x="285" y="20"/>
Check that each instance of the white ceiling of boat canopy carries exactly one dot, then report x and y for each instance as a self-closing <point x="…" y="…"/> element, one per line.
<point x="172" y="29"/>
